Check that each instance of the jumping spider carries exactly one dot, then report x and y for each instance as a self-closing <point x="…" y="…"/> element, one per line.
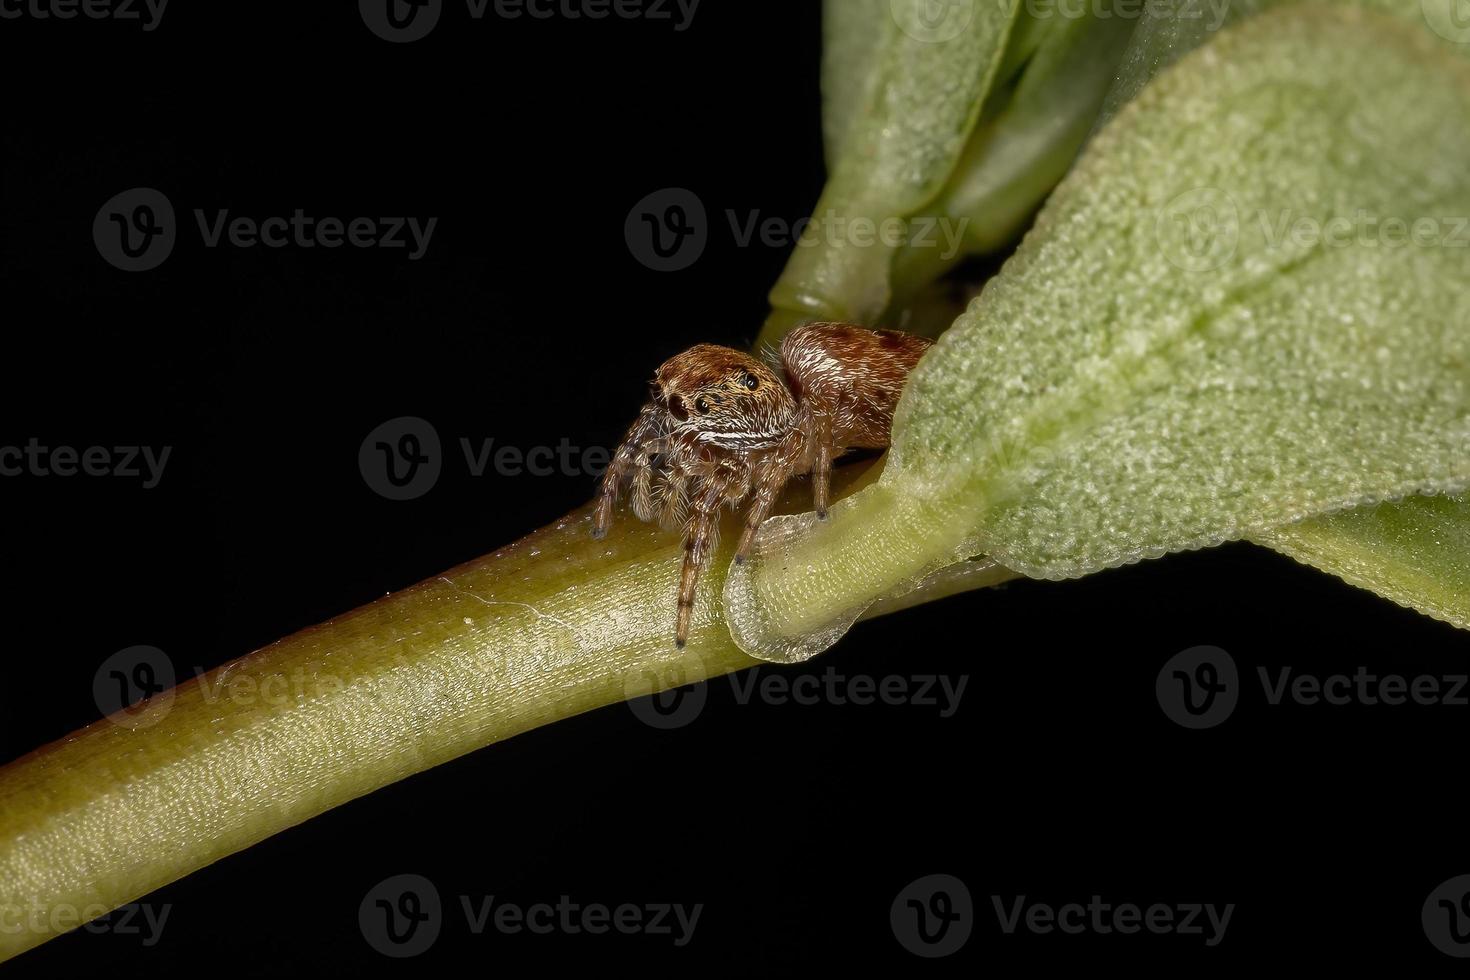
<point x="722" y="426"/>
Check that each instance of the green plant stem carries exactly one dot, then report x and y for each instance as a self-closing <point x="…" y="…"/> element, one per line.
<point x="549" y="627"/>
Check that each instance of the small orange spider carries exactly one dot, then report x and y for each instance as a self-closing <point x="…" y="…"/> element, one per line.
<point x="722" y="426"/>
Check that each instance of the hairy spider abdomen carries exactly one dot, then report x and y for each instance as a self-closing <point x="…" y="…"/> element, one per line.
<point x="852" y="375"/>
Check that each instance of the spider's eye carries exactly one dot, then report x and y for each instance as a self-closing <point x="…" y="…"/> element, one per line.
<point x="751" y="382"/>
<point x="676" y="409"/>
<point x="701" y="405"/>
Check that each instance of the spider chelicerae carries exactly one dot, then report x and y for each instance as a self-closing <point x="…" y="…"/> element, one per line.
<point x="722" y="426"/>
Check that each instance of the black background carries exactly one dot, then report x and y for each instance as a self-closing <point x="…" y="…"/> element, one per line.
<point x="529" y="321"/>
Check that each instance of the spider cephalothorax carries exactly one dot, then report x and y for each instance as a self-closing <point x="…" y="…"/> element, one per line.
<point x="722" y="426"/>
<point x="724" y="397"/>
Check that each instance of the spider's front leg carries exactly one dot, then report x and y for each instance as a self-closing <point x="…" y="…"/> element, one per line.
<point x="643" y="495"/>
<point x="632" y="452"/>
<point x="729" y="482"/>
<point x="771" y="477"/>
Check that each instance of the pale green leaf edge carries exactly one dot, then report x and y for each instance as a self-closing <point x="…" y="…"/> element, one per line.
<point x="1415" y="552"/>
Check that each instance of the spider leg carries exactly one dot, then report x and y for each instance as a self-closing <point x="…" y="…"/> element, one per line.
<point x="822" y="466"/>
<point x="672" y="495"/>
<point x="628" y="453"/>
<point x="642" y="494"/>
<point x="701" y="536"/>
<point x="773" y="476"/>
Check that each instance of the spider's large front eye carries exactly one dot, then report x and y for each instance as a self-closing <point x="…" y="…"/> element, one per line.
<point x="751" y="382"/>
<point x="676" y="409"/>
<point x="701" y="405"/>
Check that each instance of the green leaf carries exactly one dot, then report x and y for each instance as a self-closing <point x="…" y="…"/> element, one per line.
<point x="1174" y="358"/>
<point x="853" y="35"/>
<point x="1367" y="548"/>
<point x="920" y="101"/>
<point x="1415" y="552"/>
<point x="1167" y="31"/>
<point x="1029" y="137"/>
